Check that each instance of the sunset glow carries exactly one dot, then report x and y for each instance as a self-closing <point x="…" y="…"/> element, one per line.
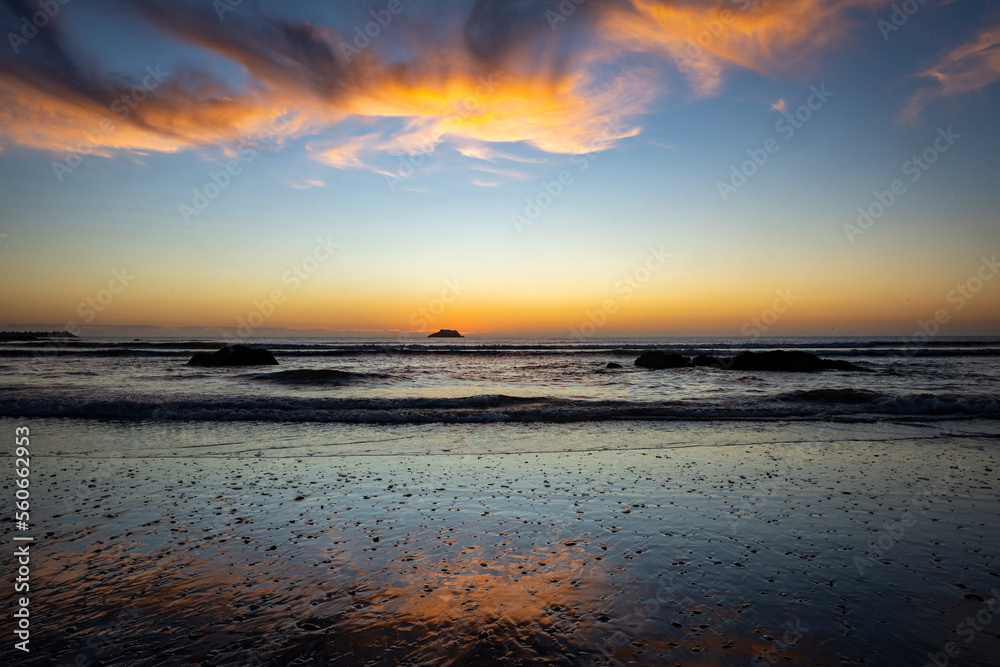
<point x="339" y="170"/>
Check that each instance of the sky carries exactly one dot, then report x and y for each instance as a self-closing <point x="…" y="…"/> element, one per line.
<point x="574" y="168"/>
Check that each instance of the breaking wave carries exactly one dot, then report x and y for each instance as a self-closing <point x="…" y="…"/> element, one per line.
<point x="488" y="408"/>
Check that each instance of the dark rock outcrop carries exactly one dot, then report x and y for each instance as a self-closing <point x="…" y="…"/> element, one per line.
<point x="657" y="359"/>
<point x="612" y="364"/>
<point x="313" y="376"/>
<point x="234" y="355"/>
<point x="793" y="361"/>
<point x="446" y="333"/>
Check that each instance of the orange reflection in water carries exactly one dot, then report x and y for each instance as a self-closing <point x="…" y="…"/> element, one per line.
<point x="232" y="600"/>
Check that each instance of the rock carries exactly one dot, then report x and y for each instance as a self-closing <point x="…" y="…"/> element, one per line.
<point x="234" y="355"/>
<point x="446" y="333"/>
<point x="314" y="376"/>
<point x="657" y="359"/>
<point x="612" y="364"/>
<point x="794" y="361"/>
<point x="778" y="360"/>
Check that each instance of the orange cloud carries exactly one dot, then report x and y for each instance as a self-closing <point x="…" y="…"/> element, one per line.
<point x="343" y="155"/>
<point x="566" y="114"/>
<point x="59" y="120"/>
<point x="501" y="79"/>
<point x="969" y="67"/>
<point x="445" y="92"/>
<point x="706" y="39"/>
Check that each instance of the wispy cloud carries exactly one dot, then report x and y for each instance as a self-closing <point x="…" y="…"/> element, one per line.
<point x="500" y="77"/>
<point x="484" y="183"/>
<point x="478" y="85"/>
<point x="505" y="174"/>
<point x="307" y="184"/>
<point x="487" y="153"/>
<point x="704" y="39"/>
<point x="344" y="154"/>
<point x="971" y="66"/>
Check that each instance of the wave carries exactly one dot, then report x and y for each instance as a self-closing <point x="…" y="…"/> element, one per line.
<point x="833" y="396"/>
<point x="318" y="376"/>
<point x="938" y="405"/>
<point x="183" y="352"/>
<point x="486" y="408"/>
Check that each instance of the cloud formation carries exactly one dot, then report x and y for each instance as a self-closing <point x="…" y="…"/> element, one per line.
<point x="972" y="66"/>
<point x="704" y="40"/>
<point x="505" y="74"/>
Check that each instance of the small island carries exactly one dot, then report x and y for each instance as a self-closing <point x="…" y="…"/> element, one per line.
<point x="446" y="333"/>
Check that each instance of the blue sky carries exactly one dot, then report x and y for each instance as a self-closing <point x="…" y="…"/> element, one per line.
<point x="422" y="157"/>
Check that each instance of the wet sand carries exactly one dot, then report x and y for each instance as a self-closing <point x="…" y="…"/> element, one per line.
<point x="831" y="551"/>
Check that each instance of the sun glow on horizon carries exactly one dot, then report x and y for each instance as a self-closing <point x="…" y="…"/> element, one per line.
<point x="496" y="168"/>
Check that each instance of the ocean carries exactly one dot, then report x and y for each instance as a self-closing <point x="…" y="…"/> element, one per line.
<point x="392" y="501"/>
<point x="479" y="380"/>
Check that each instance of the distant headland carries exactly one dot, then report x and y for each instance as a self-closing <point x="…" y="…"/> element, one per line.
<point x="34" y="335"/>
<point x="446" y="333"/>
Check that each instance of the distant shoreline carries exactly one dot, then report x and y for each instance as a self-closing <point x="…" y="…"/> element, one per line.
<point x="35" y="335"/>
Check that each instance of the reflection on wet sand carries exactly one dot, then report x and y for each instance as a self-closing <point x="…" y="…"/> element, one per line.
<point x="557" y="606"/>
<point x="712" y="556"/>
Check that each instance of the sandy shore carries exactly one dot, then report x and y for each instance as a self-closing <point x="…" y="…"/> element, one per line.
<point x="784" y="549"/>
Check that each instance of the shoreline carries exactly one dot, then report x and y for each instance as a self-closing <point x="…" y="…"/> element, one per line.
<point x="466" y="557"/>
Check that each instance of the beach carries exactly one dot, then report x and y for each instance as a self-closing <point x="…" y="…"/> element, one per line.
<point x="716" y="543"/>
<point x="500" y="332"/>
